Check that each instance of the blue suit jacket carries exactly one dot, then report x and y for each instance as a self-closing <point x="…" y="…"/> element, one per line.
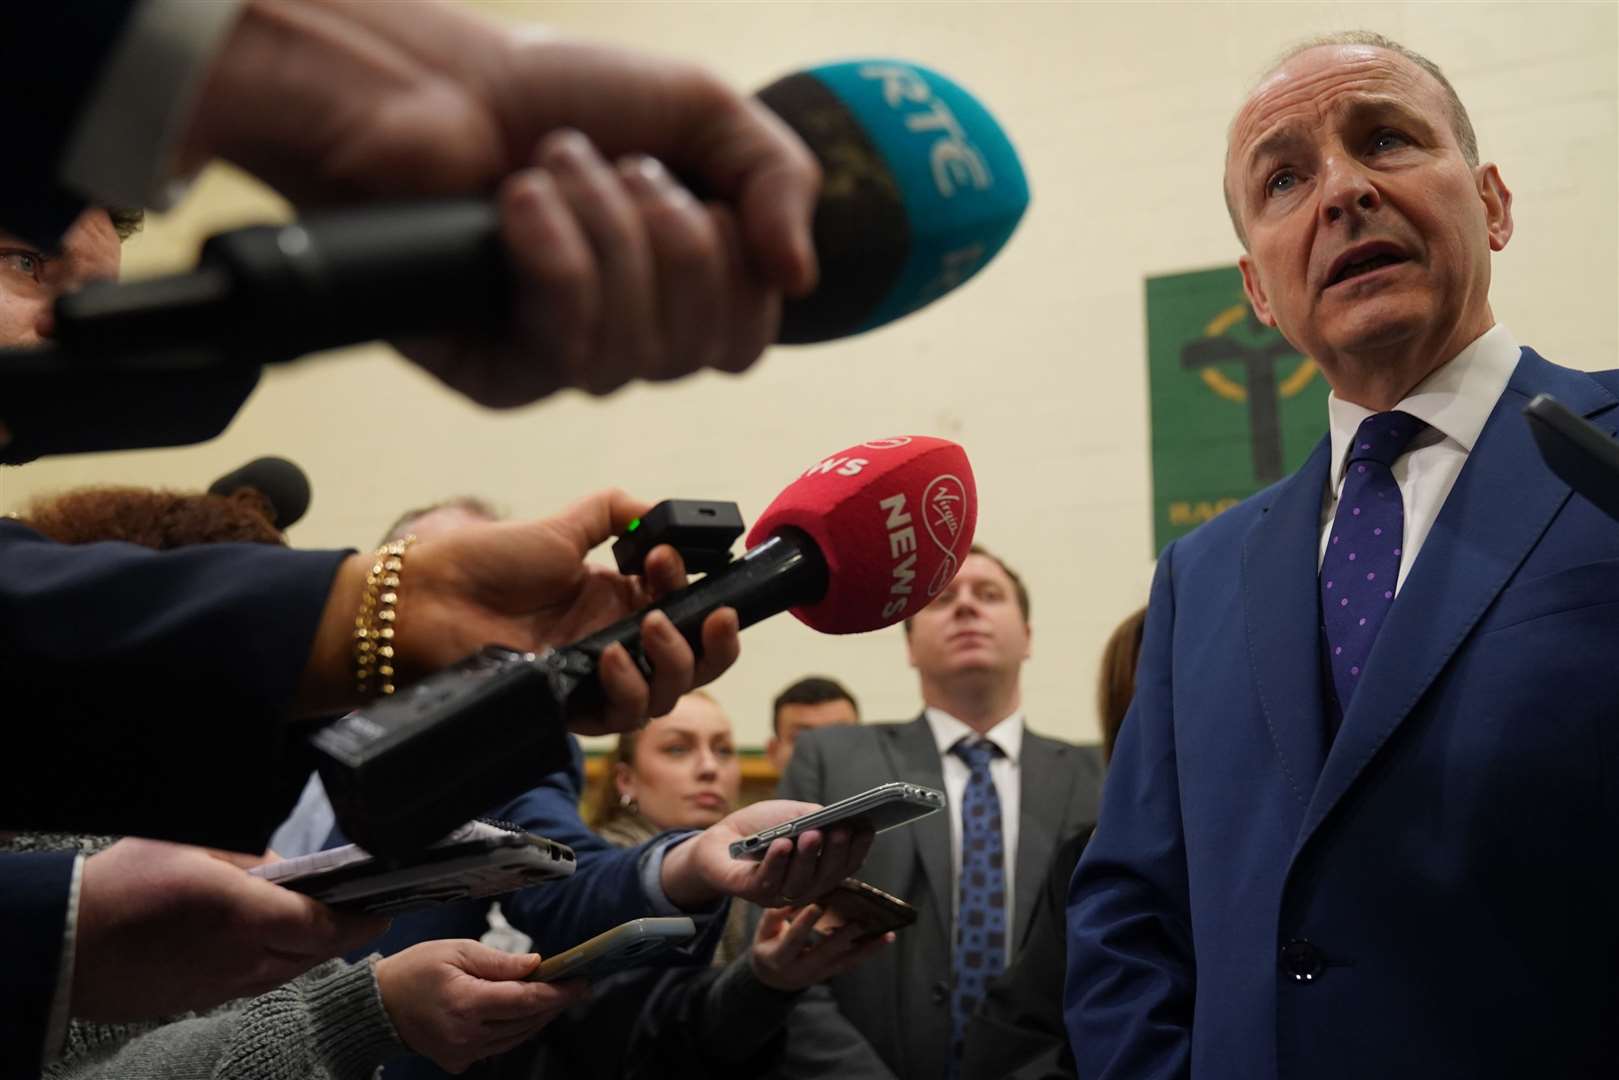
<point x="1433" y="895"/>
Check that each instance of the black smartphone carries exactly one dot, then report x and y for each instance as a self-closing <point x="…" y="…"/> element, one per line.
<point x="873" y="910"/>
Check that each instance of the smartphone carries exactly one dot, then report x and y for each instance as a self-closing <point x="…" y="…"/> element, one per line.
<point x="856" y="901"/>
<point x="623" y="947"/>
<point x="883" y="807"/>
<point x="1582" y="455"/>
<point x="478" y="859"/>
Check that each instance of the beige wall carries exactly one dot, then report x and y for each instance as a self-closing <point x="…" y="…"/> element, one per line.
<point x="1037" y="367"/>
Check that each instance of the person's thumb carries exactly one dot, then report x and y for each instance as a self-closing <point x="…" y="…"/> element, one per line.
<point x="483" y="962"/>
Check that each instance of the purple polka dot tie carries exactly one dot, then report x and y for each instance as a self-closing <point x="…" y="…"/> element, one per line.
<point x="1363" y="550"/>
<point x="981" y="912"/>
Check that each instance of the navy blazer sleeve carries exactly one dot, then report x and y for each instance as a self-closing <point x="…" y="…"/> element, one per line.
<point x="1127" y="1001"/>
<point x="53" y="54"/>
<point x="605" y="889"/>
<point x="148" y="693"/>
<point x="33" y="912"/>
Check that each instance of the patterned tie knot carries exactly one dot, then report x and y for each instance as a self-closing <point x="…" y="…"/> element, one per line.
<point x="1383" y="436"/>
<point x="977" y="753"/>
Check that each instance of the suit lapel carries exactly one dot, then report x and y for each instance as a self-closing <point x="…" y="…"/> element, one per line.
<point x="1502" y="502"/>
<point x="1045" y="789"/>
<point x="1282" y="615"/>
<point x="915" y="759"/>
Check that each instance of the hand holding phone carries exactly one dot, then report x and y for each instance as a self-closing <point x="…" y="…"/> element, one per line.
<point x="884" y="807"/>
<point x="701" y="869"/>
<point x="796" y="948"/>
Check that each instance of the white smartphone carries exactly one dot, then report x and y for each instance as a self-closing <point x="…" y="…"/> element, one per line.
<point x="884" y="807"/>
<point x="478" y="859"/>
<point x="625" y="946"/>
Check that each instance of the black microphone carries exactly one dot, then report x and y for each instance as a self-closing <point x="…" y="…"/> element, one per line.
<point x="861" y="543"/>
<point x="284" y="484"/>
<point x="922" y="189"/>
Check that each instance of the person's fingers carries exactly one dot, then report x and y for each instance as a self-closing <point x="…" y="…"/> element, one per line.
<point x="755" y="162"/>
<point x="722" y="645"/>
<point x="494" y="1002"/>
<point x="596" y="518"/>
<point x="483" y="962"/>
<point x="799" y="883"/>
<point x="690" y="261"/>
<point x="833" y="865"/>
<point x="799" y="930"/>
<point x="764" y="883"/>
<point x="753" y="307"/>
<point x="664" y="571"/>
<point x="770" y="923"/>
<point x="628" y="342"/>
<point x="559" y="305"/>
<point x="859" y="847"/>
<point x="672" y="662"/>
<point x="625" y="690"/>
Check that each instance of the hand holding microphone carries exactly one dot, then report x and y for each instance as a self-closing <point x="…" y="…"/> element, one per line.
<point x="526" y="584"/>
<point x="592" y="267"/>
<point x="863" y="539"/>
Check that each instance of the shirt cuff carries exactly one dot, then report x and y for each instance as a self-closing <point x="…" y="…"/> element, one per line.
<point x="652" y="879"/>
<point x="121" y="153"/>
<point x="62" y="1000"/>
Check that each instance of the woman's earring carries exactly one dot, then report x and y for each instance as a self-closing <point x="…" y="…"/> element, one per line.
<point x="627" y="804"/>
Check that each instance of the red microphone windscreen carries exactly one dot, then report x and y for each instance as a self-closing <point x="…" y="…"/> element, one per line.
<point x="893" y="519"/>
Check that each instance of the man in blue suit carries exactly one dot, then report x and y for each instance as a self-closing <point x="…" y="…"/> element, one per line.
<point x="1361" y="819"/>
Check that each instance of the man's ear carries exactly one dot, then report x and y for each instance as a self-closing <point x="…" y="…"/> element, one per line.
<point x="1497" y="199"/>
<point x="1254" y="289"/>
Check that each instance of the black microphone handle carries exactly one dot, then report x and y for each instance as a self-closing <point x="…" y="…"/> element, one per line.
<point x="272" y="293"/>
<point x="785" y="571"/>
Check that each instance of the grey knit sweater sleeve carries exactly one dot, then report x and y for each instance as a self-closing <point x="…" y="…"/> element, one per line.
<point x="327" y="1025"/>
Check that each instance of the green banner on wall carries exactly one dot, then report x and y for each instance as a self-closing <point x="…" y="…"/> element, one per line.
<point x="1234" y="406"/>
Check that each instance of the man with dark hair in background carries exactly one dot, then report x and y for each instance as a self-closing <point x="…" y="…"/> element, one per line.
<point x="972" y="872"/>
<point x="1360" y="820"/>
<point x="812" y="702"/>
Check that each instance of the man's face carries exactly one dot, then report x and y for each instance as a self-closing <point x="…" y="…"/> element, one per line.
<point x="793" y="720"/>
<point x="974" y="625"/>
<point x="1368" y="233"/>
<point x="31" y="279"/>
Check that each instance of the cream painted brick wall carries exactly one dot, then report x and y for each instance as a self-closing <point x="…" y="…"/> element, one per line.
<point x="1038" y="366"/>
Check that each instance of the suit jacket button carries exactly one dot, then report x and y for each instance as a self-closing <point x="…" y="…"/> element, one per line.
<point x="1302" y="960"/>
<point x="941" y="993"/>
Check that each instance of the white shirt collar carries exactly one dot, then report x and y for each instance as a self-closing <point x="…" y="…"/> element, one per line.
<point x="947" y="731"/>
<point x="1454" y="401"/>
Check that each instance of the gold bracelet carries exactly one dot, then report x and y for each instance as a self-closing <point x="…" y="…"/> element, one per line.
<point x="375" y="622"/>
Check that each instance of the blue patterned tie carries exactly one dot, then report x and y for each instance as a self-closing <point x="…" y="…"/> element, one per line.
<point x="1362" y="562"/>
<point x="981" y="915"/>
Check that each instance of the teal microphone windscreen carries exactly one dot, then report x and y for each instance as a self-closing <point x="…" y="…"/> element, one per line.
<point x="922" y="188"/>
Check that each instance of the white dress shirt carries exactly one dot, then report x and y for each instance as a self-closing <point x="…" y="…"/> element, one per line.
<point x="1003" y="770"/>
<point x="1454" y="401"/>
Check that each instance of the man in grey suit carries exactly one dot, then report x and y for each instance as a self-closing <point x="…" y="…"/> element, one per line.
<point x="973" y="872"/>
